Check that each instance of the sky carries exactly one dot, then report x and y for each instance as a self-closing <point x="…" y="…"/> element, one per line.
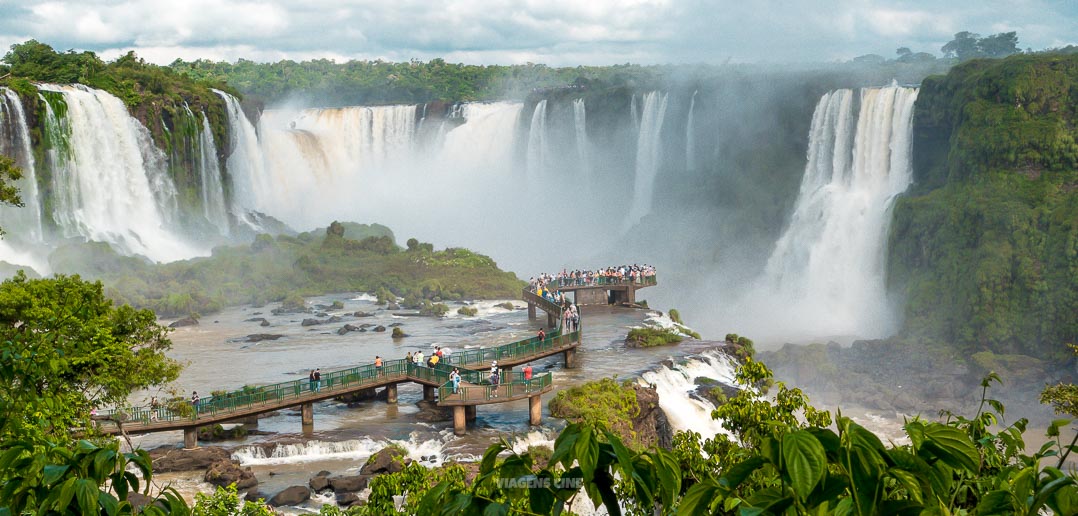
<point x="553" y="32"/>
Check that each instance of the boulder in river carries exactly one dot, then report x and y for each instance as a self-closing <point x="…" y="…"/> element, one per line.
<point x="259" y="337"/>
<point x="294" y="495"/>
<point x="166" y="460"/>
<point x="227" y="472"/>
<point x="388" y="460"/>
<point x="362" y="314"/>
<point x="319" y="482"/>
<point x="190" y="320"/>
<point x="349" y="484"/>
<point x="379" y="328"/>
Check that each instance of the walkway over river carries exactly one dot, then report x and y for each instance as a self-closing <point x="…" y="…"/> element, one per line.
<point x="474" y="388"/>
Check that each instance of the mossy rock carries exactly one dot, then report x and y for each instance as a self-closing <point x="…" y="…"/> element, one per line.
<point x="506" y="305"/>
<point x="652" y="337"/>
<point x="398" y="333"/>
<point x="469" y="311"/>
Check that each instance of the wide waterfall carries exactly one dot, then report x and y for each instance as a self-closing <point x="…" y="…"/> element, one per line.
<point x="580" y="130"/>
<point x="648" y="156"/>
<point x="537" y="146"/>
<point x="23" y="223"/>
<point x="109" y="182"/>
<point x="826" y="275"/>
<point x="245" y="166"/>
<point x="677" y="389"/>
<point x="690" y="136"/>
<point x="212" y="188"/>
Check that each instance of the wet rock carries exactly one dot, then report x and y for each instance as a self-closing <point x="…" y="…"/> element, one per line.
<point x="412" y="314"/>
<point x="650" y="424"/>
<point x="166" y="460"/>
<point x="349" y="484"/>
<point x="430" y="412"/>
<point x="396" y="324"/>
<point x="379" y="328"/>
<point x="321" y="314"/>
<point x="362" y="314"/>
<point x="186" y="321"/>
<point x="294" y="495"/>
<point x="347" y="328"/>
<point x="387" y="460"/>
<point x="227" y="472"/>
<point x="319" y="482"/>
<point x="349" y="500"/>
<point x="260" y="320"/>
<point x="254" y="495"/>
<point x="264" y="323"/>
<point x="311" y="322"/>
<point x="393" y="306"/>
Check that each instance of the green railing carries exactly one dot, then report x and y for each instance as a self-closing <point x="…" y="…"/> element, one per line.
<point x="345" y="379"/>
<point x="511" y="384"/>
<point x="545" y="304"/>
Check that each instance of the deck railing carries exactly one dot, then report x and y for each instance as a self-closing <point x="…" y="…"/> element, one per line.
<point x="512" y="384"/>
<point x="341" y="380"/>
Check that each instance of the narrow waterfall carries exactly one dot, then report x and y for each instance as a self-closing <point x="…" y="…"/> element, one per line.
<point x="690" y="136"/>
<point x="109" y="181"/>
<point x="213" y="192"/>
<point x="22" y="223"/>
<point x="537" y="146"/>
<point x="634" y="110"/>
<point x="677" y="389"/>
<point x="648" y="156"/>
<point x="246" y="170"/>
<point x="581" y="126"/>
<point x="827" y="271"/>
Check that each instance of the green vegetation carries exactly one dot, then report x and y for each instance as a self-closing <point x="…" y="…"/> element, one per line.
<point x="468" y="311"/>
<point x="985" y="249"/>
<point x="1063" y="397"/>
<point x="784" y="457"/>
<point x="648" y="337"/>
<point x="9" y="193"/>
<point x="67" y="350"/>
<point x="287" y="268"/>
<point x="603" y="401"/>
<point x="398" y="333"/>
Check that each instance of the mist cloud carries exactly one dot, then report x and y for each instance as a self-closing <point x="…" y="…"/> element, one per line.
<point x="556" y="32"/>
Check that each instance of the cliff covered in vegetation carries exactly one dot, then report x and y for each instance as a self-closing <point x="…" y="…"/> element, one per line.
<point x="985" y="246"/>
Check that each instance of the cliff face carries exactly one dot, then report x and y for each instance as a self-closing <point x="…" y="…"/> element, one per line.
<point x="985" y="246"/>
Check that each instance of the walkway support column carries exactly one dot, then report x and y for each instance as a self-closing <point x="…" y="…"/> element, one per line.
<point x="428" y="393"/>
<point x="531" y="311"/>
<point x="550" y="322"/>
<point x="307" y="413"/>
<point x="459" y="424"/>
<point x="469" y="412"/>
<point x="536" y="408"/>
<point x="570" y="358"/>
<point x="190" y="438"/>
<point x="391" y="393"/>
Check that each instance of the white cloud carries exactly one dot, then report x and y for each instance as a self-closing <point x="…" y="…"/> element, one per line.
<point x="557" y="32"/>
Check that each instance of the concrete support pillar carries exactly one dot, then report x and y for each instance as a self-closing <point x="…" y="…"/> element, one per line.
<point x="469" y="412"/>
<point x="307" y="413"/>
<point x="459" y="423"/>
<point x="550" y="321"/>
<point x="391" y="393"/>
<point x="190" y="438"/>
<point x="570" y="358"/>
<point x="428" y="392"/>
<point x="531" y="311"/>
<point x="250" y="421"/>
<point x="630" y="292"/>
<point x="536" y="409"/>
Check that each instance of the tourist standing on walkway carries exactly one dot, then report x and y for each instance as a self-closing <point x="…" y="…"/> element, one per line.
<point x="455" y="378"/>
<point x="541" y="335"/>
<point x="194" y="401"/>
<point x="378" y="365"/>
<point x="445" y="355"/>
<point x="317" y="379"/>
<point x="417" y="358"/>
<point x="528" y="378"/>
<point x="310" y="381"/>
<point x="494" y="384"/>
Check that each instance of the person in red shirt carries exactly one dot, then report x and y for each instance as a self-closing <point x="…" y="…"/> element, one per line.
<point x="528" y="378"/>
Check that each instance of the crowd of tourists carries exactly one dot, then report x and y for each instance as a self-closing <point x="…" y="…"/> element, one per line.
<point x="585" y="278"/>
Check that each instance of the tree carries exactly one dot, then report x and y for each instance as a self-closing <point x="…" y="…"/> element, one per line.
<point x="963" y="46"/>
<point x="999" y="45"/>
<point x="65" y="350"/>
<point x="9" y="193"/>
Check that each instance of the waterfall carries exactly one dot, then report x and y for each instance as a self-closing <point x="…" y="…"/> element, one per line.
<point x="537" y="147"/>
<point x="690" y="136"/>
<point x="827" y="272"/>
<point x="244" y="164"/>
<point x="430" y="453"/>
<point x="648" y="156"/>
<point x="634" y="109"/>
<point x="109" y="181"/>
<point x="209" y="173"/>
<point x="579" y="121"/>
<point x="676" y="386"/>
<point x="25" y="222"/>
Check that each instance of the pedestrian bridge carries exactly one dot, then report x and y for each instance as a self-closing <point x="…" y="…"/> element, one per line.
<point x="474" y="389"/>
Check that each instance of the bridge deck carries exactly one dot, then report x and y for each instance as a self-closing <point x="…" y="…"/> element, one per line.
<point x="253" y="401"/>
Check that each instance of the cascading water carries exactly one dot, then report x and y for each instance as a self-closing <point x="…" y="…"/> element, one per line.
<point x="245" y="166"/>
<point x="676" y="386"/>
<point x="25" y="222"/>
<point x="827" y="272"/>
<point x="537" y="146"/>
<point x="690" y="136"/>
<point x="648" y="156"/>
<point x="581" y="132"/>
<point x="108" y="180"/>
<point x="213" y="192"/>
